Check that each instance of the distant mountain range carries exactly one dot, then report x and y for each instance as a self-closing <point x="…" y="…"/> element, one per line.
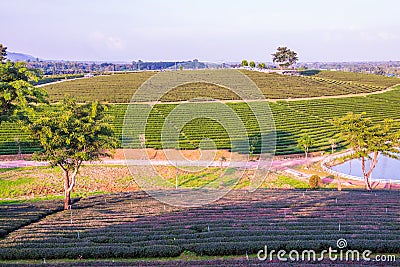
<point x="20" y="57"/>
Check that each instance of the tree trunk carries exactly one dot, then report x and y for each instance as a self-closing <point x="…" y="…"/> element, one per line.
<point x="339" y="183"/>
<point x="69" y="185"/>
<point x="306" y="152"/>
<point x="365" y="174"/>
<point x="67" y="194"/>
<point x="67" y="199"/>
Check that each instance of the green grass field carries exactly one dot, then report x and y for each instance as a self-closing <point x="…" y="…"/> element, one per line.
<point x="36" y="183"/>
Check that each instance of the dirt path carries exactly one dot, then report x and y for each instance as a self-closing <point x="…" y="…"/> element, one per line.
<point x="276" y="165"/>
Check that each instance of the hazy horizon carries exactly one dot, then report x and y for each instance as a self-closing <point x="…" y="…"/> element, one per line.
<point x="211" y="31"/>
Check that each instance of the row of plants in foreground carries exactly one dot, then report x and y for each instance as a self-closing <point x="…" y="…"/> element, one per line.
<point x="15" y="216"/>
<point x="133" y="225"/>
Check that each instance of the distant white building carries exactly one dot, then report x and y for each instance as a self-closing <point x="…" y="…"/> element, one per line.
<point x="88" y="75"/>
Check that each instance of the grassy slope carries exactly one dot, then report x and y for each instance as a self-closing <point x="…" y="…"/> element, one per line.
<point x="38" y="183"/>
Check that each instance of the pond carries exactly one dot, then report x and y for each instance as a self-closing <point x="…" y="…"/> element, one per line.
<point x="386" y="168"/>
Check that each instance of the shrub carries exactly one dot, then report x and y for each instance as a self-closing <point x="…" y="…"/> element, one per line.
<point x="315" y="182"/>
<point x="3" y="233"/>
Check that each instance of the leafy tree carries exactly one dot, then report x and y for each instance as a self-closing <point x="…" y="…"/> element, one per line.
<point x="254" y="142"/>
<point x="3" y="52"/>
<point x="261" y="65"/>
<point x="71" y="135"/>
<point x="222" y="160"/>
<point x="315" y="182"/>
<point x="244" y="63"/>
<point x="305" y="142"/>
<point x="284" y="57"/>
<point x="252" y="64"/>
<point x="379" y="70"/>
<point x="366" y="138"/>
<point x="17" y="95"/>
<point x="332" y="141"/>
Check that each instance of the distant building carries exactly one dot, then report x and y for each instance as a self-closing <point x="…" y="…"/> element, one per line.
<point x="88" y="75"/>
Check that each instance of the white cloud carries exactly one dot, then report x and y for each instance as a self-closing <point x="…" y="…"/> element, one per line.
<point x="388" y="36"/>
<point x="111" y="42"/>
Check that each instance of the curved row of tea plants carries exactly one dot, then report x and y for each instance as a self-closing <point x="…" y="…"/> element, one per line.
<point x="15" y="216"/>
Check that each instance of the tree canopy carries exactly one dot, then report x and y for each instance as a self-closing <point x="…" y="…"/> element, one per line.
<point x="3" y="52"/>
<point x="17" y="95"/>
<point x="368" y="139"/>
<point x="261" y="65"/>
<point x="305" y="142"/>
<point x="245" y="63"/>
<point x="284" y="57"/>
<point x="72" y="134"/>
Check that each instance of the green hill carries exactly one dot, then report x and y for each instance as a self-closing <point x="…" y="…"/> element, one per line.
<point x="119" y="88"/>
<point x="292" y="119"/>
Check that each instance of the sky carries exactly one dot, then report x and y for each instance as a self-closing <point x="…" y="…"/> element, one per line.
<point x="208" y="30"/>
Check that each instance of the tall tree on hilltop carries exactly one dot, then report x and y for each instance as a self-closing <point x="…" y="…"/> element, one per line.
<point x="366" y="139"/>
<point x="70" y="135"/>
<point x="284" y="57"/>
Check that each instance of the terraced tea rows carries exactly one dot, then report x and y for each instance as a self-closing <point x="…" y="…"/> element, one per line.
<point x="132" y="225"/>
<point x="119" y="88"/>
<point x="292" y="119"/>
<point x="276" y="86"/>
<point x="15" y="216"/>
<point x="360" y="78"/>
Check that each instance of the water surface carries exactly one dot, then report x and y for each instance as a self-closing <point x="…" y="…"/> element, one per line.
<point x="386" y="168"/>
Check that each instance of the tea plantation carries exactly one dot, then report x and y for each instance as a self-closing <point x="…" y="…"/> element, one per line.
<point x="292" y="119"/>
<point x="133" y="225"/>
